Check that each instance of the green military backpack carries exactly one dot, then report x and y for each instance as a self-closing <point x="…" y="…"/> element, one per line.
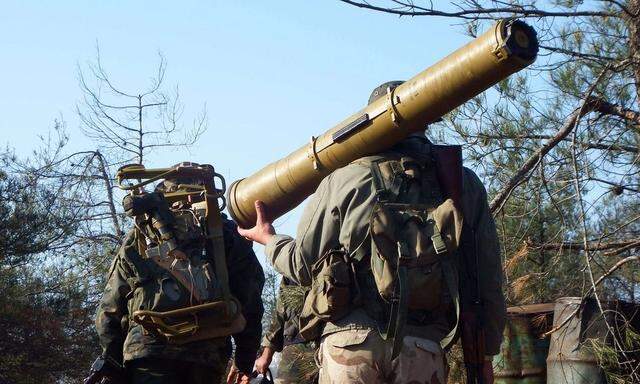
<point x="181" y="292"/>
<point x="415" y="232"/>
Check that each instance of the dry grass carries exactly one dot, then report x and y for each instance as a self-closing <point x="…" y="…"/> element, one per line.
<point x="455" y="362"/>
<point x="516" y="258"/>
<point x="520" y="288"/>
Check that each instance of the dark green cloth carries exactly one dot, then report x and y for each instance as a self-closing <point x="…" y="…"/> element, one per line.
<point x="337" y="216"/>
<point x="160" y="371"/>
<point x="132" y="278"/>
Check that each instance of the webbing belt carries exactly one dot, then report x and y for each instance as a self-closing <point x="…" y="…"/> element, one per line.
<point x="399" y="307"/>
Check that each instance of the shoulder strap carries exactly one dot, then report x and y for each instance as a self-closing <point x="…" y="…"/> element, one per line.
<point x="130" y="254"/>
<point x="216" y="236"/>
<point x="399" y="307"/>
<point x="362" y="250"/>
<point x="388" y="189"/>
<point x="378" y="180"/>
<point x="451" y="280"/>
<point x="382" y="195"/>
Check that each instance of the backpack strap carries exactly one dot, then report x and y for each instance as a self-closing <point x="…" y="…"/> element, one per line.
<point x="361" y="250"/>
<point x="399" y="306"/>
<point x="217" y="248"/>
<point x="131" y="255"/>
<point x="387" y="191"/>
<point x="450" y="277"/>
<point x="378" y="180"/>
<point x="382" y="194"/>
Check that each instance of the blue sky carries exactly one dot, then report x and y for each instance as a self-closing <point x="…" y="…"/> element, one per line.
<point x="271" y="73"/>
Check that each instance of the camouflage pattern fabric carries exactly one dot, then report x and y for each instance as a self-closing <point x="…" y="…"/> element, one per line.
<point x="283" y="328"/>
<point x="297" y="359"/>
<point x="297" y="364"/>
<point x="161" y="371"/>
<point x="363" y="357"/>
<point x="130" y="285"/>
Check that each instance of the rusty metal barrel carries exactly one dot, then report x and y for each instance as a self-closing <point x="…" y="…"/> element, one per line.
<point x="523" y="352"/>
<point x="506" y="48"/>
<point x="570" y="359"/>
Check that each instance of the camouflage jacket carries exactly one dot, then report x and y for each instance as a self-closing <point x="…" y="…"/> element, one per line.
<point x="337" y="216"/>
<point x="283" y="329"/>
<point x="124" y="340"/>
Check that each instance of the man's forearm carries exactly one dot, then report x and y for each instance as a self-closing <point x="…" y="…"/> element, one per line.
<point x="268" y="352"/>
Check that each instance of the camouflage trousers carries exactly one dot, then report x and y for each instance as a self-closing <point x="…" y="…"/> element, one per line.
<point x="162" y="371"/>
<point x="362" y="356"/>
<point x="297" y="364"/>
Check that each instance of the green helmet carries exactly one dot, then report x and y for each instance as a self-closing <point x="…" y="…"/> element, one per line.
<point x="381" y="90"/>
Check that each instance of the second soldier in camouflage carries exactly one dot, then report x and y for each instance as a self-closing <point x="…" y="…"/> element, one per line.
<point x="297" y="357"/>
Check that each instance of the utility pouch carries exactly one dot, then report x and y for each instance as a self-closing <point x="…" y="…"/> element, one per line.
<point x="330" y="296"/>
<point x="198" y="322"/>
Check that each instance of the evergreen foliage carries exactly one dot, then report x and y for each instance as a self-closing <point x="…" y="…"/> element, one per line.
<point x="46" y="324"/>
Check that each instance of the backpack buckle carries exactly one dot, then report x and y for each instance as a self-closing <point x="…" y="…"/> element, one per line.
<point x="438" y="243"/>
<point x="404" y="255"/>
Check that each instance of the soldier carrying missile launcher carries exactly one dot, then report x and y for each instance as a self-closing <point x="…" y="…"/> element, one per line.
<point x="397" y="244"/>
<point x="371" y="341"/>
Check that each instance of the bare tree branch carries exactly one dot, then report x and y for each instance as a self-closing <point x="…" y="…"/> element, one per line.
<point x="410" y="9"/>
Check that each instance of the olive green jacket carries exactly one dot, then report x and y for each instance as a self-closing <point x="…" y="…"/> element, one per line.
<point x="124" y="340"/>
<point x="337" y="215"/>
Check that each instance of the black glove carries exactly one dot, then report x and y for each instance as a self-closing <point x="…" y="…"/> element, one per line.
<point x="105" y="371"/>
<point x="267" y="378"/>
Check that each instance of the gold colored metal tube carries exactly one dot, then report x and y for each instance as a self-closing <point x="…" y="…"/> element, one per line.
<point x="506" y="48"/>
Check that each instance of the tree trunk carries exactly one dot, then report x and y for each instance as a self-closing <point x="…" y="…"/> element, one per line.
<point x="109" y="188"/>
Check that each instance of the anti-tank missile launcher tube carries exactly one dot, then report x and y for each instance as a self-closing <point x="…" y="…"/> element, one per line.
<point x="508" y="47"/>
